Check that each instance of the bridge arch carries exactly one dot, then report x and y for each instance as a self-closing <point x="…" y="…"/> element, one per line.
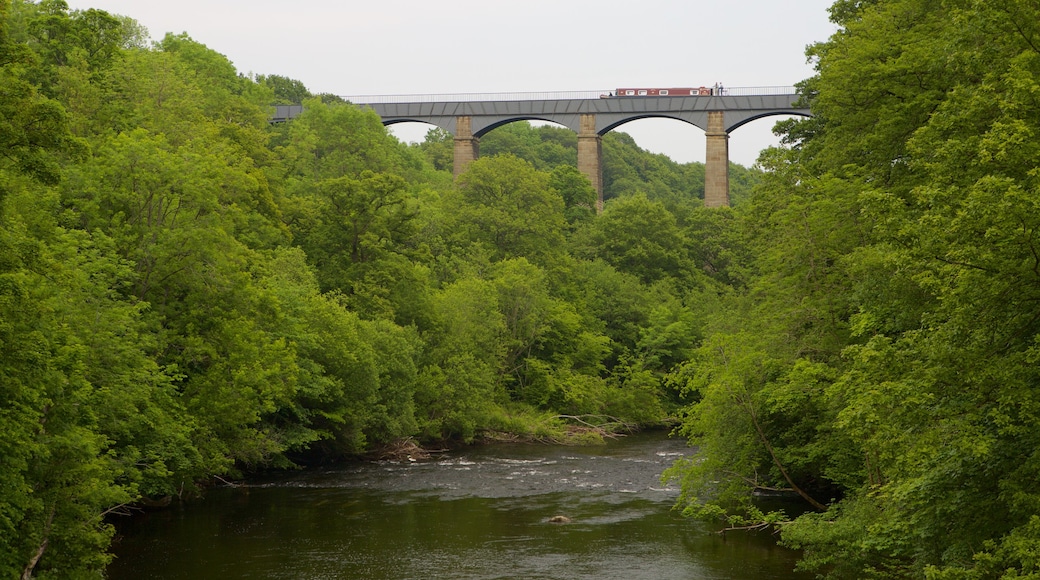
<point x="449" y="127"/>
<point x="506" y="121"/>
<point x="626" y="120"/>
<point x="732" y="125"/>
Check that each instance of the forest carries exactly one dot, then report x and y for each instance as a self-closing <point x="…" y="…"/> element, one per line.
<point x="190" y="293"/>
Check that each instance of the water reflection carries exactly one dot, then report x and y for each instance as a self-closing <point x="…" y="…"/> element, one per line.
<point x="477" y="514"/>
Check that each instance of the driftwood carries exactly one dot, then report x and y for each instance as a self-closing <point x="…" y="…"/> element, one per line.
<point x="401" y="450"/>
<point x="602" y="425"/>
<point x="755" y="527"/>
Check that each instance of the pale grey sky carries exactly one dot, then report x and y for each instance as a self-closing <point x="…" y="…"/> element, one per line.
<point x="382" y="47"/>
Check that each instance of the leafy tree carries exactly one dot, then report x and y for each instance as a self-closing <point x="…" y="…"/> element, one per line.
<point x="353" y="230"/>
<point x="439" y="149"/>
<point x="461" y="380"/>
<point x="715" y="244"/>
<point x="507" y="205"/>
<point x="331" y="140"/>
<point x="639" y="237"/>
<point x="579" y="198"/>
<point x="613" y="304"/>
<point x="287" y="91"/>
<point x="61" y="39"/>
<point x="32" y="127"/>
<point x="225" y="94"/>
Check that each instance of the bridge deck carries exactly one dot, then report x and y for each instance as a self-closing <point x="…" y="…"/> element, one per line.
<point x="740" y="105"/>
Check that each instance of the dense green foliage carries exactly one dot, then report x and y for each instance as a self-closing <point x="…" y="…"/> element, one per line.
<point x="188" y="292"/>
<point x="882" y="359"/>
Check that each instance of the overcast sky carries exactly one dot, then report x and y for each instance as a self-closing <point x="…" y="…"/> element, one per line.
<point x="390" y="47"/>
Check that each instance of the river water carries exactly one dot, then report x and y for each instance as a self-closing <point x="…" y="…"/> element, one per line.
<point x="478" y="513"/>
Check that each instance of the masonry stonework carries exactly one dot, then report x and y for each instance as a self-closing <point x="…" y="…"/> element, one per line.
<point x="716" y="164"/>
<point x="467" y="147"/>
<point x="590" y="156"/>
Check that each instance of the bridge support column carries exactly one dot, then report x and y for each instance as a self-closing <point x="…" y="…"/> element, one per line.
<point x="716" y="165"/>
<point x="467" y="147"/>
<point x="590" y="156"/>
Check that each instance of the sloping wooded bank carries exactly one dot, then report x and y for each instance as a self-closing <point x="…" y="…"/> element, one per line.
<point x="883" y="358"/>
<point x="187" y="292"/>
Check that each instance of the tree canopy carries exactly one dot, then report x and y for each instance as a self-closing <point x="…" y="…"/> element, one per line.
<point x="881" y="361"/>
<point x="189" y="292"/>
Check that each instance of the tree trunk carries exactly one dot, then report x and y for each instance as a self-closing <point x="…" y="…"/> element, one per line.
<point x="27" y="573"/>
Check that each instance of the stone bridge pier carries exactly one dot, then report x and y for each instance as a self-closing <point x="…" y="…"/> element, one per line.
<point x="467" y="147"/>
<point x="590" y="156"/>
<point x="716" y="162"/>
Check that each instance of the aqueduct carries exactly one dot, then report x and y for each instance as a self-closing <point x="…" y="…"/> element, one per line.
<point x="591" y="115"/>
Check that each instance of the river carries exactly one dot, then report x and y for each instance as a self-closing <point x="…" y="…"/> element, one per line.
<point x="477" y="513"/>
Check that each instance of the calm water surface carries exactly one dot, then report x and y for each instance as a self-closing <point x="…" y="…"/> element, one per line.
<point x="478" y="513"/>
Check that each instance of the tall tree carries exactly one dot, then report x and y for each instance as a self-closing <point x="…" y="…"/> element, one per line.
<point x="507" y="205"/>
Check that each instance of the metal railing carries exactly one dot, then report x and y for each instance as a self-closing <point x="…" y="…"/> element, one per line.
<point x="544" y="96"/>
